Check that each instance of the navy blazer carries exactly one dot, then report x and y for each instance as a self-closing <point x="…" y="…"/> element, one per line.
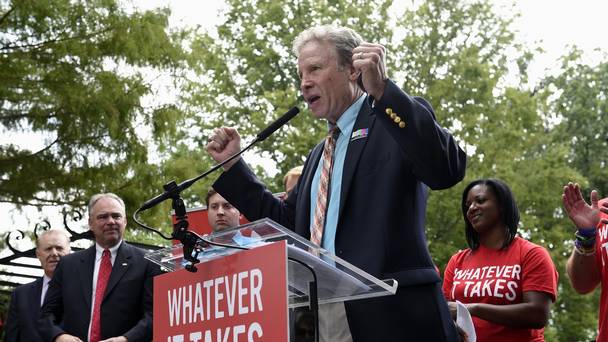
<point x="381" y="214"/>
<point x="126" y="309"/>
<point x="23" y="313"/>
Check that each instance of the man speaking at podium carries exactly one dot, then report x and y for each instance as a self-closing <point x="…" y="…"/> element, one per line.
<point x="362" y="194"/>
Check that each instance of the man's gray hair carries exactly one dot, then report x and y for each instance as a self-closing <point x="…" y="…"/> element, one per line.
<point x="342" y="38"/>
<point x="53" y="231"/>
<point x="97" y="197"/>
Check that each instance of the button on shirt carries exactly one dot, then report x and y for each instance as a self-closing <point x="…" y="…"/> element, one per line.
<point x="346" y="122"/>
<point x="98" y="254"/>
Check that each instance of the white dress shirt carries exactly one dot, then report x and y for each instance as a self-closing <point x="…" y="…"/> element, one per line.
<point x="45" y="286"/>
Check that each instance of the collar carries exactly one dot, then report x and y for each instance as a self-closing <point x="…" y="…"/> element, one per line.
<point x="113" y="250"/>
<point x="347" y="119"/>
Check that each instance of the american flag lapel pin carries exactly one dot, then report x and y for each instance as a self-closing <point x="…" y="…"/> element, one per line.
<point x="359" y="134"/>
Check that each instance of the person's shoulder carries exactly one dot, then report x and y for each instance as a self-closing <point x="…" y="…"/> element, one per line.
<point x="136" y="252"/>
<point x="26" y="287"/>
<point x="525" y="245"/>
<point x="461" y="255"/>
<point x="139" y="256"/>
<point x="133" y="248"/>
<point x="76" y="255"/>
<point x="528" y="249"/>
<point x="81" y="252"/>
<point x="425" y="103"/>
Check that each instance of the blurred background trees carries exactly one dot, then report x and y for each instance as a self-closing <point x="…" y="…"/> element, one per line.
<point x="80" y="77"/>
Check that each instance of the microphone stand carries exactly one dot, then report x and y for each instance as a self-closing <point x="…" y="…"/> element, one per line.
<point x="192" y="243"/>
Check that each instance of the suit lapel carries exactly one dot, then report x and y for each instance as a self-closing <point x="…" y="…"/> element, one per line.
<point x="120" y="267"/>
<point x="34" y="300"/>
<point x="365" y="119"/>
<point x="87" y="267"/>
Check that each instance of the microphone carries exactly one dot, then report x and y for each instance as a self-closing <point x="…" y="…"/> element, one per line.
<point x="277" y="124"/>
<point x="173" y="189"/>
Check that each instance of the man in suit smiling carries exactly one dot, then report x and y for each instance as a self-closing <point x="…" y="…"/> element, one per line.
<point x="27" y="299"/>
<point x="103" y="293"/>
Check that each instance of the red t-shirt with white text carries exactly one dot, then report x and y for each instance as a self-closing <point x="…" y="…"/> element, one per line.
<point x="601" y="245"/>
<point x="500" y="277"/>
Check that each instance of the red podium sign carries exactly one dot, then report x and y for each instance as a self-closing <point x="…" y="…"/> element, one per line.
<point x="239" y="297"/>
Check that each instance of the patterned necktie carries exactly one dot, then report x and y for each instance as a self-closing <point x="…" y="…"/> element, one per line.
<point x="102" y="281"/>
<point x="324" y="181"/>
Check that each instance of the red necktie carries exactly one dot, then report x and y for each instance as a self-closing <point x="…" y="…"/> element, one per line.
<point x="324" y="180"/>
<point x="102" y="281"/>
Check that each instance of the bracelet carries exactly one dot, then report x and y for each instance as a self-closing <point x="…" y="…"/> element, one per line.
<point x="583" y="250"/>
<point x="584" y="241"/>
<point x="583" y="253"/>
<point x="586" y="232"/>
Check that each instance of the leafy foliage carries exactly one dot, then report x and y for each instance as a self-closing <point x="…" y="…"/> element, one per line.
<point x="75" y="76"/>
<point x="75" y="73"/>
<point x="460" y="56"/>
<point x="249" y="73"/>
<point x="577" y="109"/>
<point x="581" y="109"/>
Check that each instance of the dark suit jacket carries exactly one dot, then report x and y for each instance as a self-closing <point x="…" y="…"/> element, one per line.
<point x="23" y="313"/>
<point x="127" y="304"/>
<point x="381" y="214"/>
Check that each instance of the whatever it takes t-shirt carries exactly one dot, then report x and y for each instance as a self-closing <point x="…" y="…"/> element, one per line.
<point x="500" y="277"/>
<point x="602" y="261"/>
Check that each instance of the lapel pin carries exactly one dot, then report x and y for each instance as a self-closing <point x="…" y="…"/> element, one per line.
<point x="359" y="134"/>
<point x="124" y="264"/>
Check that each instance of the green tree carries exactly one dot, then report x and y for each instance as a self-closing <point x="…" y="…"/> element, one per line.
<point x="65" y="78"/>
<point x="577" y="111"/>
<point x="580" y="108"/>
<point x="249" y="75"/>
<point x="458" y="54"/>
<point x="76" y="76"/>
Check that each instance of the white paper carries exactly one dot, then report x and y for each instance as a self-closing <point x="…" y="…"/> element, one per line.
<point x="465" y="322"/>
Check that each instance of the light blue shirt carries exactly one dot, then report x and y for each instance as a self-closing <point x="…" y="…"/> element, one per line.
<point x="345" y="123"/>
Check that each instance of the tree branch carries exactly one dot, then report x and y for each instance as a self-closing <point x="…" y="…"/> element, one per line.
<point x="13" y="115"/>
<point x="44" y="202"/>
<point x="5" y="15"/>
<point x="57" y="140"/>
<point x="21" y="157"/>
<point x="35" y="46"/>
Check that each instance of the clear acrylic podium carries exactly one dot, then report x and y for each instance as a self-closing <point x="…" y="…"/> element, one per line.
<point x="337" y="280"/>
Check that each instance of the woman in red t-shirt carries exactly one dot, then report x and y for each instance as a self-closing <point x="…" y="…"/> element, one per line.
<point x="507" y="283"/>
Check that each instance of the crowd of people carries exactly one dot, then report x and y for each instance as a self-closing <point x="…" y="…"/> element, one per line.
<point x="361" y="194"/>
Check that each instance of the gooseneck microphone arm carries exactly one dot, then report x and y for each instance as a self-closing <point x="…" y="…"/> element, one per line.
<point x="173" y="190"/>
